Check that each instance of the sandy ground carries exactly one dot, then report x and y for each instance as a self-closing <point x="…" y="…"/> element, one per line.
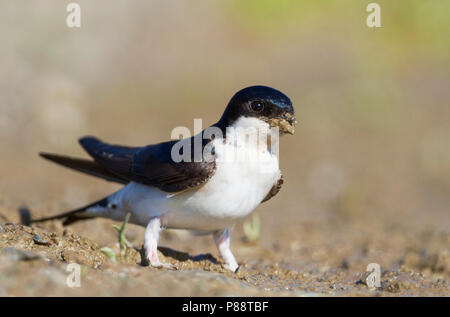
<point x="34" y="262"/>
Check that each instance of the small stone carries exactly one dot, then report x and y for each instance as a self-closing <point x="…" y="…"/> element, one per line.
<point x="37" y="239"/>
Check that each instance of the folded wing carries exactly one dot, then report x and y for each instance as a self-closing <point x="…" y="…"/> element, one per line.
<point x="151" y="165"/>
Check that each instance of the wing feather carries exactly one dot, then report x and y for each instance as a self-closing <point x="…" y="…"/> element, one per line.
<point x="275" y="189"/>
<point x="151" y="165"/>
<point x="85" y="166"/>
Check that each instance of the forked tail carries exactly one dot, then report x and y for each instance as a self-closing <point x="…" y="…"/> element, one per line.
<point x="76" y="214"/>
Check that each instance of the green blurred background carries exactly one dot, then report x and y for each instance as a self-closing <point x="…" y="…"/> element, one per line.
<point x="373" y="104"/>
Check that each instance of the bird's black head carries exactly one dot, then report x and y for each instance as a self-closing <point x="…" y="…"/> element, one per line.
<point x="261" y="102"/>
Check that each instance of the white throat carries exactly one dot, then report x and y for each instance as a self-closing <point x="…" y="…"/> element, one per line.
<point x="251" y="123"/>
<point x="249" y="132"/>
<point x="253" y="133"/>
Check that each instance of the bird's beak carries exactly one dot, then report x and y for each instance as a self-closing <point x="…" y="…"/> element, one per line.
<point x="287" y="123"/>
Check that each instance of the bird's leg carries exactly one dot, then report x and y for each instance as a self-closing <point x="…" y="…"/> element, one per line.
<point x="151" y="244"/>
<point x="222" y="240"/>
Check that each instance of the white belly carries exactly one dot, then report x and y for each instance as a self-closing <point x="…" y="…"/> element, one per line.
<point x="237" y="187"/>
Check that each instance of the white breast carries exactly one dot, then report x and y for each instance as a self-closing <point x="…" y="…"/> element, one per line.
<point x="244" y="175"/>
<point x="236" y="188"/>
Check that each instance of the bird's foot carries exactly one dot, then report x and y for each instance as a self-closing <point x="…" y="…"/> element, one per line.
<point x="151" y="245"/>
<point x="234" y="267"/>
<point x="222" y="240"/>
<point x="167" y="266"/>
<point x="156" y="263"/>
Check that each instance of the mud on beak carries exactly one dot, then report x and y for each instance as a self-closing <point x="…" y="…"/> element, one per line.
<point x="286" y="123"/>
<point x="289" y="123"/>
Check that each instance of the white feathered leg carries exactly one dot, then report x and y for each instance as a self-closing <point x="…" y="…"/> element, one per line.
<point x="222" y="240"/>
<point x="151" y="244"/>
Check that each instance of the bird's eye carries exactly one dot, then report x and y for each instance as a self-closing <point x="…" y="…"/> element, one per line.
<point x="257" y="106"/>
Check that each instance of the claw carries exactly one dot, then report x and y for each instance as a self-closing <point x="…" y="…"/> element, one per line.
<point x="168" y="266"/>
<point x="232" y="268"/>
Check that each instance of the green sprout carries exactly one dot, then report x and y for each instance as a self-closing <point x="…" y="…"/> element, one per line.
<point x="121" y="231"/>
<point x="123" y="243"/>
<point x="109" y="253"/>
<point x="252" y="229"/>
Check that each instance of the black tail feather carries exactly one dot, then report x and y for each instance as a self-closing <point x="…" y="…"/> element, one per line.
<point x="74" y="215"/>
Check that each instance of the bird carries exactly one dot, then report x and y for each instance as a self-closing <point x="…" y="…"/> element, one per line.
<point x="204" y="183"/>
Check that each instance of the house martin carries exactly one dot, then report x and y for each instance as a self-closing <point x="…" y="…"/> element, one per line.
<point x="197" y="183"/>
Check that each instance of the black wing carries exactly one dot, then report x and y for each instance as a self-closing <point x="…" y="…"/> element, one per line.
<point x="151" y="165"/>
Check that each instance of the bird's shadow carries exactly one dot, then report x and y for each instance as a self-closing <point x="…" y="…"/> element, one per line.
<point x="25" y="215"/>
<point x="25" y="219"/>
<point x="177" y="255"/>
